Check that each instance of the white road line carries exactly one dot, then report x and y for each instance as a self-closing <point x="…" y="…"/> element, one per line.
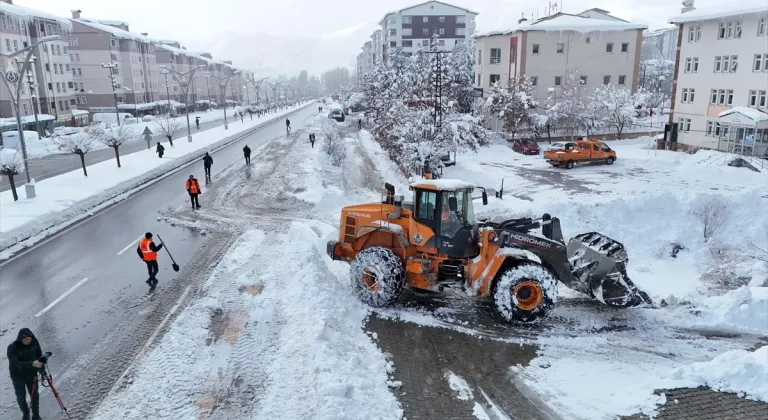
<point x="151" y="339"/>
<point x="136" y="241"/>
<point x="71" y="289"/>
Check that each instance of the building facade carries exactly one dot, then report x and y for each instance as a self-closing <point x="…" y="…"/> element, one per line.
<point x="721" y="73"/>
<point x="661" y="43"/>
<point x="601" y="48"/>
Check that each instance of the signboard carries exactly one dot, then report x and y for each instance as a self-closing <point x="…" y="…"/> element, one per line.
<point x="12" y="76"/>
<point x="96" y="109"/>
<point x="64" y="117"/>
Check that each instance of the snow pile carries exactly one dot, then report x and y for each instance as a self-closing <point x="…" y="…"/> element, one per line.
<point x="737" y="371"/>
<point x="11" y="162"/>
<point x="459" y="386"/>
<point x="744" y="309"/>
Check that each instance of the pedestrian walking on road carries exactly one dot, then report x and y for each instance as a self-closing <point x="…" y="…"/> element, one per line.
<point x="207" y="163"/>
<point x="247" y="154"/>
<point x="197" y="122"/>
<point x="360" y="124"/>
<point x="23" y="363"/>
<point x="312" y="139"/>
<point x="160" y="150"/>
<point x="147" y="251"/>
<point x="193" y="188"/>
<point x="287" y="127"/>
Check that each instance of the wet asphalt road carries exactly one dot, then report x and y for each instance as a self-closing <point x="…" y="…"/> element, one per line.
<point x="88" y="323"/>
<point x="48" y="166"/>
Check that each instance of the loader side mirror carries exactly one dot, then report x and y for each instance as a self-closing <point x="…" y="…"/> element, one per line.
<point x="485" y="198"/>
<point x="453" y="205"/>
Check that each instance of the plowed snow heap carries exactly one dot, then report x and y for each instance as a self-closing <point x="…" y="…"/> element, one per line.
<point x="434" y="244"/>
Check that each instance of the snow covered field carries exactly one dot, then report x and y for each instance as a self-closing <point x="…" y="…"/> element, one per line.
<point x="71" y="195"/>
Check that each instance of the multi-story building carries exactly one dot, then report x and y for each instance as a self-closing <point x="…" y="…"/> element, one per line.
<point x="660" y="43"/>
<point x="21" y="27"/>
<point x="720" y="94"/>
<point x="365" y="62"/>
<point x="377" y="47"/>
<point x="413" y="27"/>
<point x="601" y="48"/>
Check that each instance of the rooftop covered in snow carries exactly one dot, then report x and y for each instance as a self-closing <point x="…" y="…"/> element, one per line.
<point x="31" y="14"/>
<point x="568" y="22"/>
<point x="717" y="10"/>
<point x="733" y="115"/>
<point x="116" y="32"/>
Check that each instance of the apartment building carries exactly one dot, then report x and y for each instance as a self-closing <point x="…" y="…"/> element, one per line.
<point x="377" y="48"/>
<point x="602" y="48"/>
<point x="660" y="43"/>
<point x="721" y="78"/>
<point x="414" y="26"/>
<point x="21" y="27"/>
<point x="364" y="62"/>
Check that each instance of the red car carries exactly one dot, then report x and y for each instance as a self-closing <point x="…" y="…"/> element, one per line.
<point x="526" y="146"/>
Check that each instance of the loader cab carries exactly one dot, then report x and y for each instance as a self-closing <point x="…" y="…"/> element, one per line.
<point x="445" y="207"/>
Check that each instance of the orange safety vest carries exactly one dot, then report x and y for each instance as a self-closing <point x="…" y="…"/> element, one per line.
<point x="146" y="251"/>
<point x="193" y="187"/>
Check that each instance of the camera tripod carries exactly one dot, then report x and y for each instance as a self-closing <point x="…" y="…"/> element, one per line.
<point x="47" y="382"/>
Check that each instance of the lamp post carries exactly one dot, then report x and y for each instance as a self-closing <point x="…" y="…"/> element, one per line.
<point x="32" y="89"/>
<point x="12" y="78"/>
<point x="111" y="66"/>
<point x="181" y="79"/>
<point x="257" y="85"/>
<point x="207" y="77"/>
<point x="165" y="73"/>
<point x="223" y="82"/>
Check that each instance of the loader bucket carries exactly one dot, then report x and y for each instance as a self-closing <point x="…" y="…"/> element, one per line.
<point x="599" y="266"/>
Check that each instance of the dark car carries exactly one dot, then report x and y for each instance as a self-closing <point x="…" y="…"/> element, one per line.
<point x="526" y="146"/>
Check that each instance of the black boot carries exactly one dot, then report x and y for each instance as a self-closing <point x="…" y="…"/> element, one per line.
<point x="25" y="416"/>
<point x="149" y="282"/>
<point x="36" y="417"/>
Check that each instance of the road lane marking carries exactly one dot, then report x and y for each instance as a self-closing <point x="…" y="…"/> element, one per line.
<point x="71" y="289"/>
<point x="136" y="241"/>
<point x="151" y="339"/>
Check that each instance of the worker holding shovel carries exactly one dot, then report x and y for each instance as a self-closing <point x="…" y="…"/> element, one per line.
<point x="147" y="250"/>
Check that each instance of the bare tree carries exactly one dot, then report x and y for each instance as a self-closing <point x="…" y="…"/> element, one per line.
<point x="168" y="126"/>
<point x="116" y="137"/>
<point x="11" y="164"/>
<point x="712" y="214"/>
<point x="334" y="145"/>
<point x="79" y="144"/>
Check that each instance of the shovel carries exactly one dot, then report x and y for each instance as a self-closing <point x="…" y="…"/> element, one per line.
<point x="175" y="266"/>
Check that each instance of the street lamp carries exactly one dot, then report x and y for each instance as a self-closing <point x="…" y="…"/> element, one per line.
<point x="257" y="85"/>
<point x="111" y="66"/>
<point x="223" y="82"/>
<point x="12" y="78"/>
<point x="181" y="79"/>
<point x="166" y="72"/>
<point x="32" y="92"/>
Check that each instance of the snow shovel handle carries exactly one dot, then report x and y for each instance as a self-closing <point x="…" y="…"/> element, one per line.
<point x="166" y="249"/>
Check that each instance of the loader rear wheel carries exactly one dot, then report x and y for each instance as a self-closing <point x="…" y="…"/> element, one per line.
<point x="377" y="276"/>
<point x="524" y="293"/>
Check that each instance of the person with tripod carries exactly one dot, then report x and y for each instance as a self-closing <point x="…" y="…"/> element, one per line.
<point x="23" y="363"/>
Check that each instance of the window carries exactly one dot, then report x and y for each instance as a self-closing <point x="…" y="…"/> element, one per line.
<point x="407" y="31"/>
<point x="393" y="32"/>
<point x="425" y="31"/>
<point x="729" y="97"/>
<point x="441" y="19"/>
<point x="8" y="44"/>
<point x="61" y="106"/>
<point x="77" y="57"/>
<point x="426" y="202"/>
<point x="762" y="27"/>
<point x="688" y="65"/>
<point x="752" y="98"/>
<point x="425" y="19"/>
<point x="70" y="84"/>
<point x="67" y="67"/>
<point x="534" y="81"/>
<point x="82" y="87"/>
<point x="609" y="47"/>
<point x="441" y="31"/>
<point x="55" y="68"/>
<point x="113" y="56"/>
<point x="691" y="95"/>
<point x="50" y="86"/>
<point x="83" y="101"/>
<point x="47" y="67"/>
<point x="479" y="57"/>
<point x="737" y="30"/>
<point x="441" y="42"/>
<point x="710" y="127"/>
<point x="558" y="80"/>
<point x="684" y="124"/>
<point x="58" y="49"/>
<point x="684" y="96"/>
<point x="625" y="47"/>
<point x="495" y="55"/>
<point x="495" y="78"/>
<point x="734" y="63"/>
<point x="408" y="44"/>
<point x="560" y="47"/>
<point x="761" y="96"/>
<point x="606" y="80"/>
<point x="583" y="80"/>
<point x="718" y="64"/>
<point x="15" y="45"/>
<point x="74" y="71"/>
<point x="80" y="71"/>
<point x="425" y="42"/>
<point x="622" y="79"/>
<point x="461" y="19"/>
<point x="535" y="49"/>
<point x="588" y="40"/>
<point x="407" y="20"/>
<point x="58" y="87"/>
<point x="112" y="42"/>
<point x="757" y="63"/>
<point x="691" y="34"/>
<point x="65" y="50"/>
<point x="393" y="44"/>
<point x="479" y="78"/>
<point x="25" y="108"/>
<point x="460" y="31"/>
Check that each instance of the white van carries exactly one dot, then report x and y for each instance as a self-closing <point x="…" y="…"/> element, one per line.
<point x="109" y="117"/>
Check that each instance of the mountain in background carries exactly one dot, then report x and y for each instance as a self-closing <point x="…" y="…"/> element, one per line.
<point x="270" y="55"/>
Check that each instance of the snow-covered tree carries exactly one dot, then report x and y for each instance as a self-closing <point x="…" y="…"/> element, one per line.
<point x="79" y="144"/>
<point x="167" y="127"/>
<point x="512" y="105"/>
<point x="11" y="164"/>
<point x="334" y="145"/>
<point x="116" y="137"/>
<point x="460" y="67"/>
<point x="616" y="105"/>
<point x="567" y="108"/>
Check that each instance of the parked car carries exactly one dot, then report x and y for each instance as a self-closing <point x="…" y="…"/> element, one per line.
<point x="526" y="146"/>
<point x="580" y="152"/>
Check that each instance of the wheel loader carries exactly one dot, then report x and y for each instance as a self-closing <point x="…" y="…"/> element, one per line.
<point x="433" y="243"/>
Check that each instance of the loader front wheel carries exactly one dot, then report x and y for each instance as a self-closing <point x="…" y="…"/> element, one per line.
<point x="524" y="293"/>
<point x="377" y="276"/>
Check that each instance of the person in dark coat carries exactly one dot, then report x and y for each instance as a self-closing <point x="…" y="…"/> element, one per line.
<point x="197" y="122"/>
<point x="23" y="364"/>
<point x="160" y="150"/>
<point x="247" y="154"/>
<point x="147" y="251"/>
<point x="207" y="163"/>
<point x="312" y="139"/>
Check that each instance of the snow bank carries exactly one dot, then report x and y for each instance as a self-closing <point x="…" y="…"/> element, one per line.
<point x="64" y="199"/>
<point x="737" y="371"/>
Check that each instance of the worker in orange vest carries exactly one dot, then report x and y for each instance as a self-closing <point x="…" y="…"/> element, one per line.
<point x="147" y="250"/>
<point x="193" y="188"/>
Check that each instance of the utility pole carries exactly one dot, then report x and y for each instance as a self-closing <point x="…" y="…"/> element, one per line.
<point x="32" y="92"/>
<point x="165" y="73"/>
<point x="223" y="82"/>
<point x="111" y="66"/>
<point x="437" y="87"/>
<point x="181" y="79"/>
